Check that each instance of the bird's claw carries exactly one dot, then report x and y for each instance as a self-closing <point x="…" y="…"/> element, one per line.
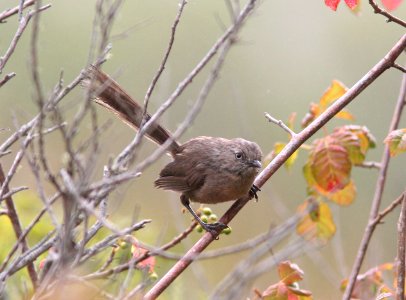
<point x="214" y="228"/>
<point x="253" y="191"/>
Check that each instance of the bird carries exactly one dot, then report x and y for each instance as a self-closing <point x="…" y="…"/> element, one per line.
<point x="204" y="169"/>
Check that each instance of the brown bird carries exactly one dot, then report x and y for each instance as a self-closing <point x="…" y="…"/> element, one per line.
<point x="204" y="169"/>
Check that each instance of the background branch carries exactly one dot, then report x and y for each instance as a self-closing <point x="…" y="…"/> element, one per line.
<point x="380" y="184"/>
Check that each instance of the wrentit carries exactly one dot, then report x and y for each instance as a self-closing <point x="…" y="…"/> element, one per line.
<point x="204" y="169"/>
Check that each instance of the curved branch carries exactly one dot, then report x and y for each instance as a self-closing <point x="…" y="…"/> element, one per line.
<point x="383" y="12"/>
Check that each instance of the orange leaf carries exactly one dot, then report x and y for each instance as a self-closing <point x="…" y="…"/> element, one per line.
<point x="370" y="285"/>
<point x="147" y="263"/>
<point x="318" y="223"/>
<point x="289" y="272"/>
<point x="330" y="164"/>
<point x="396" y="140"/>
<point x="287" y="288"/>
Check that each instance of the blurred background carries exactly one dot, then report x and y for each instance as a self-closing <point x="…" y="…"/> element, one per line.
<point x="287" y="55"/>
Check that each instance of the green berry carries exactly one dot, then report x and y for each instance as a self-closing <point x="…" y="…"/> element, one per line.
<point x="199" y="228"/>
<point x="204" y="218"/>
<point x="153" y="276"/>
<point x="207" y="211"/>
<point x="123" y="244"/>
<point x="226" y="231"/>
<point x="213" y="217"/>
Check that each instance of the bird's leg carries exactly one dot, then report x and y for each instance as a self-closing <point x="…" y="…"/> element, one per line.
<point x="214" y="228"/>
<point x="253" y="191"/>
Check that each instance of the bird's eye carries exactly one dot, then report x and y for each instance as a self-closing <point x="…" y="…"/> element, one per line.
<point x="238" y="155"/>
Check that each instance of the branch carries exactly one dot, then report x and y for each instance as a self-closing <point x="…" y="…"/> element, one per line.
<point x="383" y="12"/>
<point x="166" y="56"/>
<point x="12" y="11"/>
<point x="279" y="160"/>
<point x="125" y="156"/>
<point x="7" y="78"/>
<point x="23" y="24"/>
<point x="400" y="287"/>
<point x="376" y="202"/>
<point x="280" y="124"/>
<point x="399" y="67"/>
<point x="15" y="222"/>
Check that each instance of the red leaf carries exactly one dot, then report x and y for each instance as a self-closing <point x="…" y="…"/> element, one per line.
<point x="332" y="4"/>
<point x="391" y="4"/>
<point x="351" y="3"/>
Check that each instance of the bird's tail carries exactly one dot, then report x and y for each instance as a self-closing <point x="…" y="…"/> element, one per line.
<point x="108" y="93"/>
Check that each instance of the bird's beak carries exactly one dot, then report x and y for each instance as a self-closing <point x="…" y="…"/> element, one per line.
<point x="256" y="164"/>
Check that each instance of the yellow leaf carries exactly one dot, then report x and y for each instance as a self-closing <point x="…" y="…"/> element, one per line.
<point x="289" y="272"/>
<point x="318" y="223"/>
<point x="290" y="161"/>
<point x="335" y="91"/>
<point x="345" y="115"/>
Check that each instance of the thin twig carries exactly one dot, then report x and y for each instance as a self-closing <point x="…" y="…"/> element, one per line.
<point x="166" y="56"/>
<point x="126" y="156"/>
<point x="370" y="165"/>
<point x="280" y="124"/>
<point x="21" y="28"/>
<point x="399" y="67"/>
<point x="7" y="78"/>
<point x="26" y="232"/>
<point x="12" y="11"/>
<point x="16" y="223"/>
<point x="13" y="191"/>
<point x="380" y="184"/>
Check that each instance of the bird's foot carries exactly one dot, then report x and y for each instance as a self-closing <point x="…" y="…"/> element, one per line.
<point x="253" y="192"/>
<point x="214" y="228"/>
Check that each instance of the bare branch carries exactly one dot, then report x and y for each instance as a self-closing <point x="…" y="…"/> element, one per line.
<point x="12" y="11"/>
<point x="166" y="56"/>
<point x="126" y="156"/>
<point x="370" y="165"/>
<point x="399" y="67"/>
<point x="7" y="78"/>
<point x="23" y="24"/>
<point x="280" y="124"/>
<point x="400" y="261"/>
<point x="15" y="222"/>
